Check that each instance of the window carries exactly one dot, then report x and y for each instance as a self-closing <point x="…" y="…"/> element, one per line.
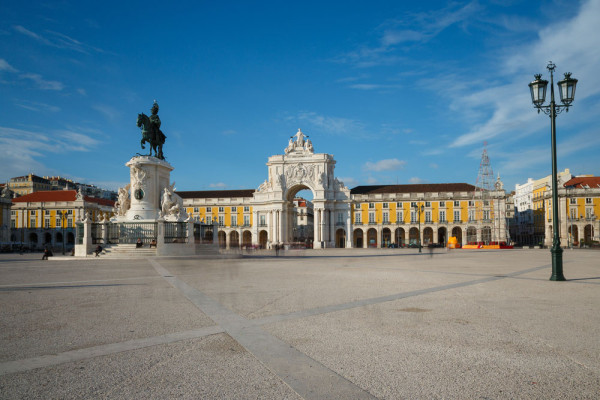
<point x="58" y="224"/>
<point x="456" y="203"/>
<point x="399" y="204"/>
<point x="69" y="222"/>
<point x="589" y="213"/>
<point x="13" y="212"/>
<point x="413" y="216"/>
<point x="234" y="220"/>
<point x="471" y="203"/>
<point x="588" y="200"/>
<point x="208" y="209"/>
<point x="486" y="203"/>
<point x="221" y="209"/>
<point x="357" y="218"/>
<point x="47" y="223"/>
<point x="32" y="212"/>
<point x="246" y="209"/>
<point x="47" y="212"/>
<point x="340" y="218"/>
<point x="70" y="212"/>
<point x="13" y="224"/>
<point x="486" y="214"/>
<point x="32" y="223"/>
<point x="263" y="220"/>
<point x="386" y="217"/>
<point x="371" y="205"/>
<point x="221" y="220"/>
<point x="400" y="216"/>
<point x="246" y="220"/>
<point x="442" y="204"/>
<point x="209" y="219"/>
<point x="196" y="209"/>
<point x="371" y="218"/>
<point x="427" y="204"/>
<point x="471" y="215"/>
<point x="456" y="216"/>
<point x="442" y="216"/>
<point x="233" y="209"/>
<point x="386" y="205"/>
<point x="427" y="216"/>
<point x="413" y="203"/>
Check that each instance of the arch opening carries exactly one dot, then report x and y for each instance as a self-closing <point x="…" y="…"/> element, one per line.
<point x="299" y="214"/>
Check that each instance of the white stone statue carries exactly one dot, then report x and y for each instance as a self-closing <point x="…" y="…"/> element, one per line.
<point x="263" y="186"/>
<point x="290" y="146"/>
<point x="123" y="203"/>
<point x="299" y="139"/>
<point x="172" y="204"/>
<point x="139" y="177"/>
<point x="309" y="146"/>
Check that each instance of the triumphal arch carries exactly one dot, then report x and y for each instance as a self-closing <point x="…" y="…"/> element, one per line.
<point x="300" y="168"/>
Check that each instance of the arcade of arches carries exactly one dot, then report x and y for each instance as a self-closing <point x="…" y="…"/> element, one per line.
<point x="366" y="216"/>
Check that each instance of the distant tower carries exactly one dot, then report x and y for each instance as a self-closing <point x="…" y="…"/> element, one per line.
<point x="482" y="209"/>
<point x="485" y="177"/>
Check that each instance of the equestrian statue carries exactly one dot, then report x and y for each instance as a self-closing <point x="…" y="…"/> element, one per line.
<point x="151" y="132"/>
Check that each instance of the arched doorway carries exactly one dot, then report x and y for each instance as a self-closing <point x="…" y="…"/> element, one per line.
<point x="59" y="237"/>
<point x="427" y="236"/>
<point x="413" y="236"/>
<point x="234" y="239"/>
<point x="399" y="237"/>
<point x="208" y="235"/>
<point x="358" y="238"/>
<point x="222" y="239"/>
<point x="442" y="239"/>
<point x="486" y="235"/>
<point x="33" y="239"/>
<point x="299" y="215"/>
<point x="263" y="237"/>
<point x="47" y="238"/>
<point x="588" y="234"/>
<point x="386" y="237"/>
<point x="70" y="238"/>
<point x="457" y="233"/>
<point x="372" y="237"/>
<point x="471" y="235"/>
<point x="247" y="239"/>
<point x="573" y="235"/>
<point x="340" y="238"/>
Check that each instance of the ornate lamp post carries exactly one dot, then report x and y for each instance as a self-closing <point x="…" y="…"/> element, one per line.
<point x="566" y="89"/>
<point x="419" y="208"/>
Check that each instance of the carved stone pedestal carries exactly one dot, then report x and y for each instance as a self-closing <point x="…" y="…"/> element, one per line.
<point x="149" y="177"/>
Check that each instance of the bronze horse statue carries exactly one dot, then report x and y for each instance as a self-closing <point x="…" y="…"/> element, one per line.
<point x="152" y="135"/>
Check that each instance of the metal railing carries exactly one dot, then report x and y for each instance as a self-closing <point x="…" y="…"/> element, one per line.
<point x="130" y="232"/>
<point x="175" y="232"/>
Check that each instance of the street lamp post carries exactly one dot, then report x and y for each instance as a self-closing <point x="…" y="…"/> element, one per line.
<point x="419" y="208"/>
<point x="566" y="89"/>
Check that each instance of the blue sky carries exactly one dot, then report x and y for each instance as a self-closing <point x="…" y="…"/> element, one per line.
<point x="399" y="92"/>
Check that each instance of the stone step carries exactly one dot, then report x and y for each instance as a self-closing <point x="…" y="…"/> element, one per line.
<point x="128" y="250"/>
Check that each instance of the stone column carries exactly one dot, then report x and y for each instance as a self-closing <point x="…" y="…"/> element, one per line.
<point x="365" y="238"/>
<point x="435" y="234"/>
<point x="349" y="232"/>
<point x="322" y="215"/>
<point x="160" y="233"/>
<point x="255" y="228"/>
<point x="105" y="225"/>
<point x="215" y="234"/>
<point x="316" y="228"/>
<point x="227" y="240"/>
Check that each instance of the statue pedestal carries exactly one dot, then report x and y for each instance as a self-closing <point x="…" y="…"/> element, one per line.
<point x="149" y="177"/>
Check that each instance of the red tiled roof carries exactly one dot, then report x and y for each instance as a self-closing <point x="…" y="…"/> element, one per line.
<point x="210" y="194"/>
<point x="415" y="188"/>
<point x="59" y="195"/>
<point x="583" y="181"/>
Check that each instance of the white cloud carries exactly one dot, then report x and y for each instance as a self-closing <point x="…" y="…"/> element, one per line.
<point x="373" y="86"/>
<point x="37" y="107"/>
<point x="434" y="166"/>
<point x="42" y="83"/>
<point x="58" y="40"/>
<point x="571" y="44"/>
<point x="348" y="181"/>
<point x="219" y="185"/>
<point x="82" y="91"/>
<point x="371" y="180"/>
<point x="391" y="164"/>
<point x="228" y="132"/>
<point x="415" y="180"/>
<point x="5" y="66"/>
<point x="110" y="112"/>
<point x="328" y="124"/>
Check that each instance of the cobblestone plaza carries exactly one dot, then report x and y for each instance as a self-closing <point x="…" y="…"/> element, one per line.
<point x="332" y="323"/>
